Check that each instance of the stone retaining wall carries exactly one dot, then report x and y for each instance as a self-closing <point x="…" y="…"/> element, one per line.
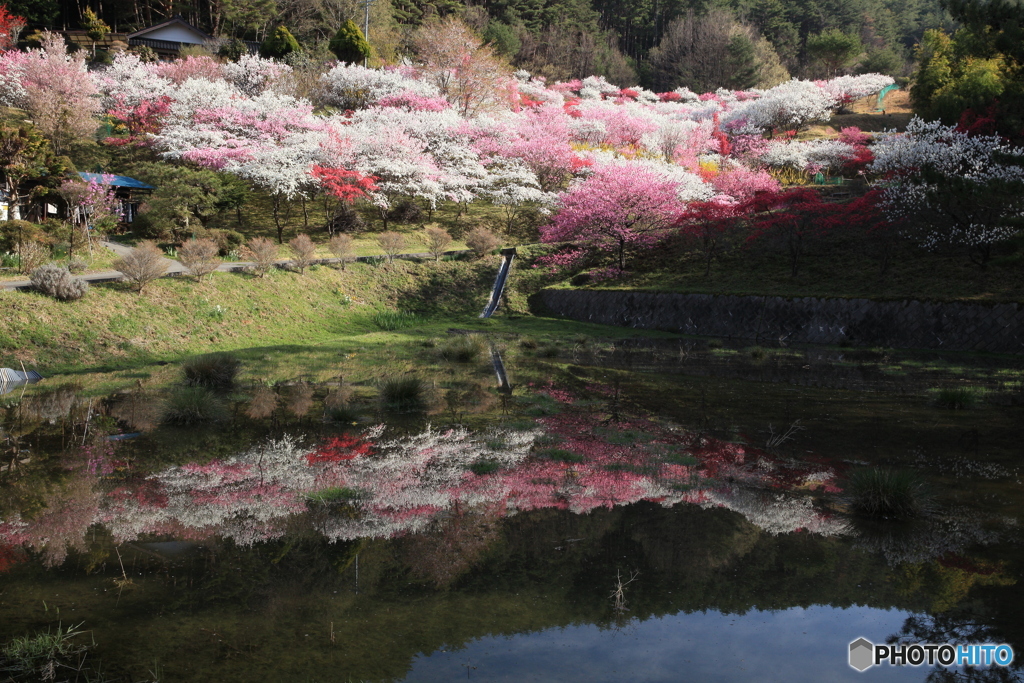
<point x="899" y="324"/>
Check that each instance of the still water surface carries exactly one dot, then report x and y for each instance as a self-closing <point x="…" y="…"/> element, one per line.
<point x="640" y="512"/>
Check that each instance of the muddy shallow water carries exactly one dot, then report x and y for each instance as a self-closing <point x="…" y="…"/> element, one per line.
<point x="644" y="511"/>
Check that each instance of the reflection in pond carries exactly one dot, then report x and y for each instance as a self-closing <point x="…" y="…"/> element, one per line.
<point x="584" y="523"/>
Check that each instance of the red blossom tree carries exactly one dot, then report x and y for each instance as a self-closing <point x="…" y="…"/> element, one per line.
<point x="707" y="223"/>
<point x="789" y="217"/>
<point x="11" y="26"/>
<point x="139" y="122"/>
<point x="619" y="208"/>
<point x="343" y="184"/>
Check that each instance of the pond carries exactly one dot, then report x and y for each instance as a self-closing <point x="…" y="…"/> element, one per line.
<point x="510" y="509"/>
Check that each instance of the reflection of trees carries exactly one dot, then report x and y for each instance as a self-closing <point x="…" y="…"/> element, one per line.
<point x="959" y="627"/>
<point x="943" y="532"/>
<point x="451" y="546"/>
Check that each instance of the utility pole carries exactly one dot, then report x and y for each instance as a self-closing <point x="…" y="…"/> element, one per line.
<point x="366" y="27"/>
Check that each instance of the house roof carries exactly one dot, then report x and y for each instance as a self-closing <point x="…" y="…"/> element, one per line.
<point x="118" y="180"/>
<point x="176" y="20"/>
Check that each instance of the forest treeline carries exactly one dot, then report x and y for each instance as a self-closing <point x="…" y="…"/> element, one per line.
<point x="658" y="43"/>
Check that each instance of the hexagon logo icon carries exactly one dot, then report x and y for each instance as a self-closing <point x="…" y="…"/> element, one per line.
<point x="862" y="653"/>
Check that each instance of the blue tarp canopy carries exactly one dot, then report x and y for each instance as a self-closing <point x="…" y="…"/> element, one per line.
<point x="118" y="180"/>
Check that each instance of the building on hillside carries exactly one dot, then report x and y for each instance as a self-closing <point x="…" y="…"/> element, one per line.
<point x="128" y="191"/>
<point x="169" y="37"/>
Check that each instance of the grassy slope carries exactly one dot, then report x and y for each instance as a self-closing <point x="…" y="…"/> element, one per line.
<point x="114" y="328"/>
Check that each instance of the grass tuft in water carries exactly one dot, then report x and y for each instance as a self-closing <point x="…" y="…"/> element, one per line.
<point x="481" y="467"/>
<point x="216" y="371"/>
<point x="886" y="494"/>
<point x="957" y="398"/>
<point x="335" y="494"/>
<point x="461" y="349"/>
<point x="192" y="405"/>
<point x="40" y="656"/>
<point x="403" y="393"/>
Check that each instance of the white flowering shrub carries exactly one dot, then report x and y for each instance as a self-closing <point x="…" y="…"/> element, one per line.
<point x="253" y="74"/>
<point x="130" y="81"/>
<point x="846" y="88"/>
<point x="945" y="187"/>
<point x="350" y="86"/>
<point x="812" y="156"/>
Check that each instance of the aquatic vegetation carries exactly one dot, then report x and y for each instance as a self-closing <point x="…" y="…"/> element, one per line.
<point x="886" y="494"/>
<point x="402" y="393"/>
<point x="215" y="371"/>
<point x="192" y="405"/>
<point x="40" y="656"/>
<point x="957" y="398"/>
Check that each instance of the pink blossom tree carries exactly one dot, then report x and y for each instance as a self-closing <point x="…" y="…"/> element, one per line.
<point x="619" y="208"/>
<point x="59" y="94"/>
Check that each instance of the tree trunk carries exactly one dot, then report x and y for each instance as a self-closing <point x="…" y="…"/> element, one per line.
<point x="277" y="219"/>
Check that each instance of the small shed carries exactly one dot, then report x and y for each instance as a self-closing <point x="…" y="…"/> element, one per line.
<point x="168" y="37"/>
<point x="129" y="192"/>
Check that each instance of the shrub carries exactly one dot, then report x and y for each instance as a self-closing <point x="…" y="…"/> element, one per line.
<point x="303" y="252"/>
<point x="957" y="398"/>
<point x="31" y="255"/>
<point x="279" y="44"/>
<point x="16" y="231"/>
<point x="403" y="393"/>
<point x="216" y="371"/>
<point x="227" y="240"/>
<point x="391" y="243"/>
<point x="462" y="349"/>
<point x="437" y="240"/>
<point x="192" y="405"/>
<point x="59" y="283"/>
<point x="482" y="241"/>
<point x="77" y="265"/>
<point x="349" y="44"/>
<point x="262" y="252"/>
<point x="142" y="265"/>
<point x="884" y="493"/>
<point x="341" y="247"/>
<point x="347" y="219"/>
<point x="406" y="211"/>
<point x="200" y="256"/>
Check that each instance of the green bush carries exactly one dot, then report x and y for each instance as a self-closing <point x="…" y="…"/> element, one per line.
<point x="192" y="405"/>
<point x="216" y="371"/>
<point x="349" y="44"/>
<point x="957" y="398"/>
<point x="883" y="493"/>
<point x="279" y="44"/>
<point x="402" y="393"/>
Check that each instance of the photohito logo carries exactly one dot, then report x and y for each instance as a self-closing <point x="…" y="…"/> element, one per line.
<point x="864" y="654"/>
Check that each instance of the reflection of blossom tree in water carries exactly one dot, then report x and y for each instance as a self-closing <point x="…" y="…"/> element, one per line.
<point x="387" y="487"/>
